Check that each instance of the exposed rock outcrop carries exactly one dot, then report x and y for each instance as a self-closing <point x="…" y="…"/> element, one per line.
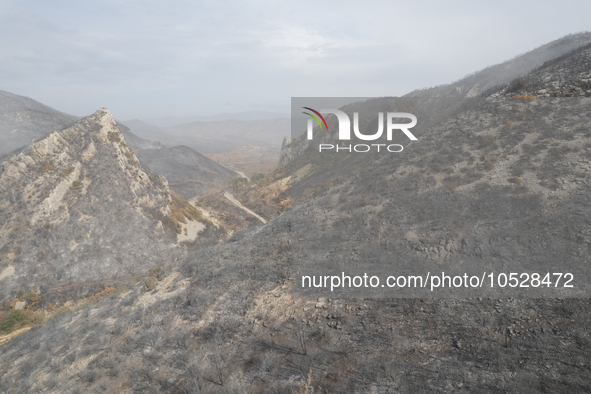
<point x="285" y="155"/>
<point x="77" y="206"/>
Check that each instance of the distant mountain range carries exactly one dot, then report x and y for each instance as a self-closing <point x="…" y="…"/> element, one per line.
<point x="168" y="121"/>
<point x="251" y="146"/>
<point x="217" y="136"/>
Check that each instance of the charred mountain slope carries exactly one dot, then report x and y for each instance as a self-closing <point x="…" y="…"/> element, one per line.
<point x="501" y="74"/>
<point x="77" y="206"/>
<point x="228" y="324"/>
<point x="188" y="172"/>
<point x="23" y="119"/>
<point x="136" y="142"/>
<point x="557" y="69"/>
<point x="565" y="76"/>
<point x="227" y="321"/>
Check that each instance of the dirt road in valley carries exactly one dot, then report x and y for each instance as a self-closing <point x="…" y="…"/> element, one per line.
<point x="230" y="197"/>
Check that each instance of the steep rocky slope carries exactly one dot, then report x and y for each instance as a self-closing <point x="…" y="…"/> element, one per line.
<point x="77" y="206"/>
<point x="501" y="74"/>
<point x="566" y="76"/>
<point x="229" y="320"/>
<point x="543" y="71"/>
<point x="23" y="120"/>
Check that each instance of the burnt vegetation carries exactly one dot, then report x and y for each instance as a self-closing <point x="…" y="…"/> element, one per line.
<point x="502" y="180"/>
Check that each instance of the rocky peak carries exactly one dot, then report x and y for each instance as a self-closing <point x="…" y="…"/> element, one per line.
<point x="78" y="206"/>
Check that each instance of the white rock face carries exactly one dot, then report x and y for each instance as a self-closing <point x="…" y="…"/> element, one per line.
<point x="6" y="273"/>
<point x="76" y="206"/>
<point x="52" y="203"/>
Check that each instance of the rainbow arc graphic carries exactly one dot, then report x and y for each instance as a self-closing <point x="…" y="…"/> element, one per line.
<point x="315" y="118"/>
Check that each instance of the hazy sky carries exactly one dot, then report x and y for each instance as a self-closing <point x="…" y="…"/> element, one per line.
<point x="144" y="59"/>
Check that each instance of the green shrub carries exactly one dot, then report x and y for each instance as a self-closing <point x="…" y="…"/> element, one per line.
<point x="256" y="177"/>
<point x="15" y="316"/>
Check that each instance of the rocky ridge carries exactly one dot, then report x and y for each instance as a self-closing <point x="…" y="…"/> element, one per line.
<point x="78" y="206"/>
<point x="566" y="76"/>
<point x="498" y="75"/>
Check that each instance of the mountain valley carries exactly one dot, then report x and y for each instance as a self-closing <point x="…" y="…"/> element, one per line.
<point x="500" y="174"/>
